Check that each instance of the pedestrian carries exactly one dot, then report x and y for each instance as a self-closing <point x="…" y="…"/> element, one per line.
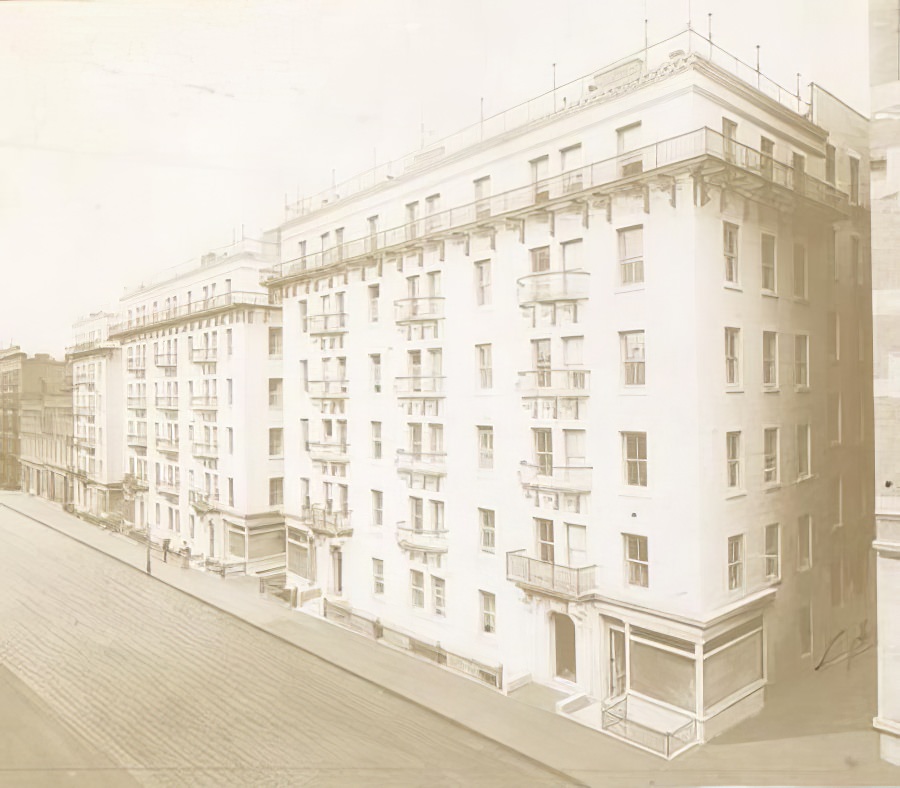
<point x="186" y="553"/>
<point x="165" y="551"/>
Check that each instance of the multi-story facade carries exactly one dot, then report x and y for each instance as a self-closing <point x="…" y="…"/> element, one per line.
<point x="579" y="396"/>
<point x="20" y="378"/>
<point x="98" y="413"/>
<point x="46" y="439"/>
<point x="202" y="393"/>
<point x="885" y="132"/>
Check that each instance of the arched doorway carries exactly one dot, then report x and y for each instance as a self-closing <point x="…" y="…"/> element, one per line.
<point x="564" y="647"/>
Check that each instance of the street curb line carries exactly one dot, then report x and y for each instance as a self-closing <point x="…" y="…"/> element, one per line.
<point x="396" y="693"/>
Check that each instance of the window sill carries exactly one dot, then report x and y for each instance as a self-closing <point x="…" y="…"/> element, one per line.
<point x="629" y="288"/>
<point x="768" y="294"/>
<point x="733" y="286"/>
<point x="771" y="486"/>
<point x="633" y="391"/>
<point x="636" y="492"/>
<point x="771" y="389"/>
<point x="734" y="389"/>
<point x="801" y="389"/>
<point x="804" y="300"/>
<point x="735" y="494"/>
<point x="805" y="477"/>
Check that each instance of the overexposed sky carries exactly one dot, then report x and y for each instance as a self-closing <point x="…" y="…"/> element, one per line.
<point x="135" y="135"/>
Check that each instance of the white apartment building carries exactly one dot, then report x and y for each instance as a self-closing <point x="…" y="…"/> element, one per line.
<point x="578" y="396"/>
<point x="98" y="414"/>
<point x="203" y="392"/>
<point x="885" y="131"/>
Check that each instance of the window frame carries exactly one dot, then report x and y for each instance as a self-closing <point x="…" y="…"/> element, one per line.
<point x="736" y="552"/>
<point x="637" y="562"/>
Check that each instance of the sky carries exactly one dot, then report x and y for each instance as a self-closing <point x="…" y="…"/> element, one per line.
<point x="137" y="135"/>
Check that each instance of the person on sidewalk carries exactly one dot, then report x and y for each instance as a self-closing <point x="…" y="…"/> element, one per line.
<point x="186" y="555"/>
<point x="166" y="551"/>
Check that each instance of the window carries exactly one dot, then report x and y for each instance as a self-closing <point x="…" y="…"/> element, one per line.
<point x="375" y="371"/>
<point x="540" y="169"/>
<point x="730" y="244"/>
<point x="376" y="440"/>
<point x="229" y="384"/>
<point x="773" y="552"/>
<point x="229" y="341"/>
<point x="770" y="359"/>
<point x="804" y="542"/>
<point x="304" y="320"/>
<point x="637" y="564"/>
<point x="378" y="575"/>
<point x="276" y="491"/>
<point x="770" y="455"/>
<point x="576" y="447"/>
<point x="837" y="502"/>
<point x="438" y="595"/>
<point x="729" y="132"/>
<point x="485" y="366"/>
<point x="412" y="217"/>
<point x="628" y="141"/>
<point x="800" y="272"/>
<point x="486" y="523"/>
<point x="482" y="187"/>
<point x="274" y="392"/>
<point x="834" y="336"/>
<point x="432" y="207"/>
<point x="856" y="260"/>
<point x="570" y="163"/>
<point x="733" y="356"/>
<point x="767" y="149"/>
<point x="631" y="255"/>
<point x="377" y="507"/>
<point x="417" y="588"/>
<point x="485" y="447"/>
<point x="543" y="451"/>
<point x="571" y="255"/>
<point x="230" y="492"/>
<point x="540" y="259"/>
<point x="801" y="360"/>
<point x="576" y="536"/>
<point x="736" y="563"/>
<point x="733" y="450"/>
<point x="546" y="546"/>
<point x="834" y="417"/>
<point x="632" y="343"/>
<point x="483" y="282"/>
<point x="768" y="263"/>
<point x="374" y="291"/>
<point x="634" y="447"/>
<point x="829" y="164"/>
<point x="803" y="450"/>
<point x="488" y="612"/>
<point x="276" y="441"/>
<point x="275" y="340"/>
<point x="854" y="180"/>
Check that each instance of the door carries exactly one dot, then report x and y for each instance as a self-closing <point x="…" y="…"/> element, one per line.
<point x="212" y="539"/>
<point x="616" y="683"/>
<point x="729" y="132"/>
<point x="564" y="642"/>
<point x="338" y="568"/>
<point x="540" y="169"/>
<point x="543" y="451"/>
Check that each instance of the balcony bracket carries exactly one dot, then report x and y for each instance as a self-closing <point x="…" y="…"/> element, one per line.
<point x="518" y="224"/>
<point x="701" y="189"/>
<point x="586" y="214"/>
<point x="603" y="202"/>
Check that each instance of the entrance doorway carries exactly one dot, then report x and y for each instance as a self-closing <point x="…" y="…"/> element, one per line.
<point x="564" y="640"/>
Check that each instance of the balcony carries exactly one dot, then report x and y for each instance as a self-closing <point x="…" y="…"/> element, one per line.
<point x="430" y="462"/>
<point x="136" y="365"/>
<point x="414" y="310"/>
<point x="328" y="389"/>
<point x="204" y="355"/>
<point x="648" y="725"/>
<point x="332" y="323"/>
<point x="323" y="520"/>
<point x="203" y="501"/>
<point x="137" y="403"/>
<point x="167" y="445"/>
<point x="550" y="286"/>
<point x="83" y="410"/>
<point x="168" y="487"/>
<point x="209" y="451"/>
<point x="554" y="579"/>
<point x="554" y="383"/>
<point x="575" y="478"/>
<point x="167" y="403"/>
<point x="166" y="360"/>
<point x="419" y="386"/>
<point x="326" y="451"/>
<point x="205" y="402"/>
<point x="421" y="539"/>
<point x="135" y="482"/>
<point x="137" y="441"/>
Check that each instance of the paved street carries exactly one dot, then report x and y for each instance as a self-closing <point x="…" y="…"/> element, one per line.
<point x="179" y="693"/>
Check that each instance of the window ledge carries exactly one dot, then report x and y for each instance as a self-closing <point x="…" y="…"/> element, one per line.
<point x="768" y="294"/>
<point x="633" y="391"/>
<point x="734" y="389"/>
<point x="732" y="286"/>
<point x="771" y="486"/>
<point x="801" y="300"/>
<point x="636" y="492"/>
<point x="805" y="477"/>
<point x="771" y="389"/>
<point x="801" y="389"/>
<point x="629" y="288"/>
<point x="735" y="494"/>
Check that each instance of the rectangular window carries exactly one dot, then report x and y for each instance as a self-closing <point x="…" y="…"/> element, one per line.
<point x="770" y="359"/>
<point x="854" y="180"/>
<point x="576" y="447"/>
<point x="767" y="158"/>
<point x="730" y="244"/>
<point x="540" y="169"/>
<point x="438" y="595"/>
<point x="834" y="336"/>
<point x="276" y="441"/>
<point x="302" y="310"/>
<point x="733" y="449"/>
<point x="378" y="575"/>
<point x="576" y="536"/>
<point x="829" y="164"/>
<point x="274" y="392"/>
<point x="634" y="449"/>
<point x="736" y="563"/>
<point x="773" y="552"/>
<point x="571" y="161"/>
<point x="417" y="588"/>
<point x="733" y="356"/>
<point x="803" y="451"/>
<point x="229" y="341"/>
<point x="637" y="563"/>
<point x="631" y="255"/>
<point x="543" y="450"/>
<point x="628" y="142"/>
<point x="632" y="344"/>
<point x="770" y="455"/>
<point x="375" y="371"/>
<point x="482" y="197"/>
<point x="275" y="342"/>
<point x="229" y="383"/>
<point x="483" y="282"/>
<point x="374" y="291"/>
<point x="804" y="542"/>
<point x="376" y="440"/>
<point x="769" y="281"/>
<point x="801" y="360"/>
<point x="377" y="507"/>
<point x="540" y="259"/>
<point x="856" y="260"/>
<point x="800" y="272"/>
<point x="276" y="491"/>
<point x="571" y="255"/>
<point x="485" y="366"/>
<point x="486" y="524"/>
<point x="488" y="611"/>
<point x="485" y="447"/>
<point x="834" y="417"/>
<point x="546" y="545"/>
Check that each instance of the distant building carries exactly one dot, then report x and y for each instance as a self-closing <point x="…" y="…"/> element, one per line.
<point x="580" y="396"/>
<point x="885" y="130"/>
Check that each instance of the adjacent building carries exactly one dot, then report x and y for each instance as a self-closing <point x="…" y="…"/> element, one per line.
<point x="580" y="395"/>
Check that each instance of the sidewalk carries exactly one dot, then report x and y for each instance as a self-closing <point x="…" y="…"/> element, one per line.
<point x="751" y="753"/>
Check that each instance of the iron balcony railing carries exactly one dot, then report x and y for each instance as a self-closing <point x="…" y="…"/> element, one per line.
<point x="204" y="355"/>
<point x="425" y="461"/>
<point x="194" y="308"/>
<point x="167" y="403"/>
<point x="327" y="450"/>
<point x="84" y="410"/>
<point x="137" y="403"/>
<point x="167" y="444"/>
<point x="166" y="360"/>
<point x="205" y="402"/>
<point x="548" y="286"/>
<point x="137" y="440"/>
<point x="331" y="323"/>
<point x="325" y="520"/>
<point x="616" y="721"/>
<point x="89" y="345"/>
<point x="411" y="310"/>
<point x="573" y="478"/>
<point x="197" y="495"/>
<point x="168" y="487"/>
<point x="554" y="382"/>
<point x="564" y="581"/>
<point x="429" y="540"/>
<point x="419" y="385"/>
<point x="136" y="365"/>
<point x="138" y="482"/>
<point x="206" y="450"/>
<point x="630" y="166"/>
<point x="330" y="387"/>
